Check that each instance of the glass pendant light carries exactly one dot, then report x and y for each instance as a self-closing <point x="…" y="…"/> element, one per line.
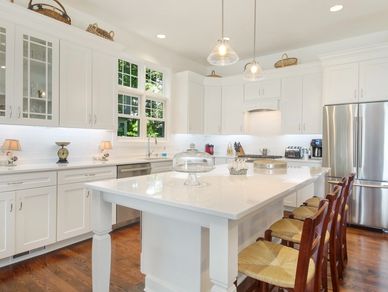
<point x="222" y="54"/>
<point x="253" y="70"/>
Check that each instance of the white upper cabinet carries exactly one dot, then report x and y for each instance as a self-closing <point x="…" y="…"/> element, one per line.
<point x="212" y="109"/>
<point x="301" y="104"/>
<point x="356" y="76"/>
<point x="267" y="88"/>
<point x="104" y="90"/>
<point x="373" y="80"/>
<point x="87" y="87"/>
<point x="76" y="85"/>
<point x="188" y="103"/>
<point x="7" y="224"/>
<point x="232" y="109"/>
<point x="291" y="104"/>
<point x="37" y="68"/>
<point x="312" y="104"/>
<point x="6" y="71"/>
<point x="341" y="84"/>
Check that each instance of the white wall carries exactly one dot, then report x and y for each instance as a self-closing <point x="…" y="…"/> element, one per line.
<point x="306" y="54"/>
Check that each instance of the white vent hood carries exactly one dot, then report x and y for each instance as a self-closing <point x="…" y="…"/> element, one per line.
<point x="263" y="105"/>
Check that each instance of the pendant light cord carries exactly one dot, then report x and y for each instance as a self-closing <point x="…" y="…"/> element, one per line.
<point x="222" y="21"/>
<point x="254" y="31"/>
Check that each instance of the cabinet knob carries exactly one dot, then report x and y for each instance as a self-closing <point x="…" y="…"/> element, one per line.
<point x="10" y="111"/>
<point x="95" y="119"/>
<point x="11" y="209"/>
<point x="21" y="206"/>
<point x="19" y="112"/>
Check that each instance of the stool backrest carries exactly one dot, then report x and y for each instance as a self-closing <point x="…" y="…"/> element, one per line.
<point x="311" y="245"/>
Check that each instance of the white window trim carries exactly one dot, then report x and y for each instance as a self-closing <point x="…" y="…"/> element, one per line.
<point x="143" y="95"/>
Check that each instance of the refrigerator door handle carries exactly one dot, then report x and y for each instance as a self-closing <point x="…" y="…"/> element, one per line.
<point x="366" y="185"/>
<point x="360" y="141"/>
<point x="355" y="139"/>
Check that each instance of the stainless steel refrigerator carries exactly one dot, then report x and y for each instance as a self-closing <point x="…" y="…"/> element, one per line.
<point x="355" y="139"/>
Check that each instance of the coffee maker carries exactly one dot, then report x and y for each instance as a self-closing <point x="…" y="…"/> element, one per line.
<point x="316" y="148"/>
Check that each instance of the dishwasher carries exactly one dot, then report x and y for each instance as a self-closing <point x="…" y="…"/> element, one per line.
<point x="124" y="215"/>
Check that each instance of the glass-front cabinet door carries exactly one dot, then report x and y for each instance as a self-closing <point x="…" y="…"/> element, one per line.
<point x="6" y="71"/>
<point x="38" y="86"/>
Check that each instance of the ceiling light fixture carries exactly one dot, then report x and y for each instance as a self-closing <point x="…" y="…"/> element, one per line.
<point x="253" y="70"/>
<point x="222" y="54"/>
<point x="2" y="67"/>
<point x="161" y="36"/>
<point x="336" y="8"/>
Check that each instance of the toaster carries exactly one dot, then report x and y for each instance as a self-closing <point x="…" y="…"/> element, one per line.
<point x="294" y="152"/>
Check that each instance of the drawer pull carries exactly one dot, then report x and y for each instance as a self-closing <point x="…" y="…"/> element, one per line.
<point x="90" y="174"/>
<point x="16" y="183"/>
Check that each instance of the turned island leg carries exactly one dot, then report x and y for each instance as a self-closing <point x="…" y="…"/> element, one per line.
<point x="101" y="251"/>
<point x="223" y="267"/>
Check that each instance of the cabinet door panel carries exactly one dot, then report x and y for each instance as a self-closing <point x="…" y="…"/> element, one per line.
<point x="341" y="84"/>
<point x="291" y="105"/>
<point x="373" y="80"/>
<point x="232" y="109"/>
<point x="312" y="104"/>
<point x="7" y="224"/>
<point x="196" y="93"/>
<point x="104" y="90"/>
<point x="6" y="71"/>
<point x="212" y="109"/>
<point x="35" y="218"/>
<point x="37" y="67"/>
<point x="73" y="211"/>
<point x="290" y="201"/>
<point x="76" y="85"/>
<point x="270" y="88"/>
<point x="304" y="194"/>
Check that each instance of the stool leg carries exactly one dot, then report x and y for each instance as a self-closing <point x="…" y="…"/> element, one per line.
<point x="333" y="259"/>
<point x="324" y="270"/>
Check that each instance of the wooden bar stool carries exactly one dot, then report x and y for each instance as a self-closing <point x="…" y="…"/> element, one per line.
<point x="289" y="231"/>
<point x="278" y="265"/>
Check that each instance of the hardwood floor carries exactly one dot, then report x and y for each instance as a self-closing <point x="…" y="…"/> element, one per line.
<point x="69" y="269"/>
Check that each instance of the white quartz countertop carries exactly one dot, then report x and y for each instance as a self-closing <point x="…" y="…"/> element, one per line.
<point x="52" y="166"/>
<point x="221" y="194"/>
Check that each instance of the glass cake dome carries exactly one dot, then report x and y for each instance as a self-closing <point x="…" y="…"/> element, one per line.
<point x="192" y="162"/>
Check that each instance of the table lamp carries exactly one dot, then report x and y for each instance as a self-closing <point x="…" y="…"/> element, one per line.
<point x="105" y="146"/>
<point x="10" y="145"/>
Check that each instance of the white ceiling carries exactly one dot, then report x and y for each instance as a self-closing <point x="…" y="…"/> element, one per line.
<point x="193" y="26"/>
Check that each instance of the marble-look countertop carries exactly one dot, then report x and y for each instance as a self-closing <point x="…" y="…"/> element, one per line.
<point x="53" y="166"/>
<point x="221" y="194"/>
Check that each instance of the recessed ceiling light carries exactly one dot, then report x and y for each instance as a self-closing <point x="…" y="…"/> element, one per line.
<point x="2" y="67"/>
<point x="161" y="36"/>
<point x="336" y="8"/>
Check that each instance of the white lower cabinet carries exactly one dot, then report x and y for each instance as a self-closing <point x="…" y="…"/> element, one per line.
<point x="73" y="211"/>
<point x="297" y="198"/>
<point x="7" y="224"/>
<point x="35" y="218"/>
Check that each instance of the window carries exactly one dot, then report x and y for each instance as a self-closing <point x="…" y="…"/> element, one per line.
<point x="128" y="116"/>
<point x="128" y="74"/>
<point x="154" y="81"/>
<point x="155" y="112"/>
<point x="141" y="105"/>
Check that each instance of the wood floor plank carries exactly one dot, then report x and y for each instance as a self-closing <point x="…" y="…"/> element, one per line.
<point x="69" y="269"/>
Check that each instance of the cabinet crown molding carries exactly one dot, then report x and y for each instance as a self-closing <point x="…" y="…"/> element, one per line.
<point x="355" y="55"/>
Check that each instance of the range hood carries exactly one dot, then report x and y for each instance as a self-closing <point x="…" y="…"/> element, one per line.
<point x="264" y="105"/>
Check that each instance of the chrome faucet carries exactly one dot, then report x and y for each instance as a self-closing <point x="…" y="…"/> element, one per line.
<point x="149" y="152"/>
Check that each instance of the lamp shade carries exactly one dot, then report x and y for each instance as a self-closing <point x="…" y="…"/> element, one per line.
<point x="11" y="145"/>
<point x="106" y="145"/>
<point x="253" y="71"/>
<point x="222" y="54"/>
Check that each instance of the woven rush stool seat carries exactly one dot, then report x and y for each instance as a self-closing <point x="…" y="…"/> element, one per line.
<point x="290" y="230"/>
<point x="272" y="263"/>
<point x="313" y="202"/>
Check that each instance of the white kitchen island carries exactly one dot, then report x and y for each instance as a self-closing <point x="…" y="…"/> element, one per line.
<point x="191" y="236"/>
